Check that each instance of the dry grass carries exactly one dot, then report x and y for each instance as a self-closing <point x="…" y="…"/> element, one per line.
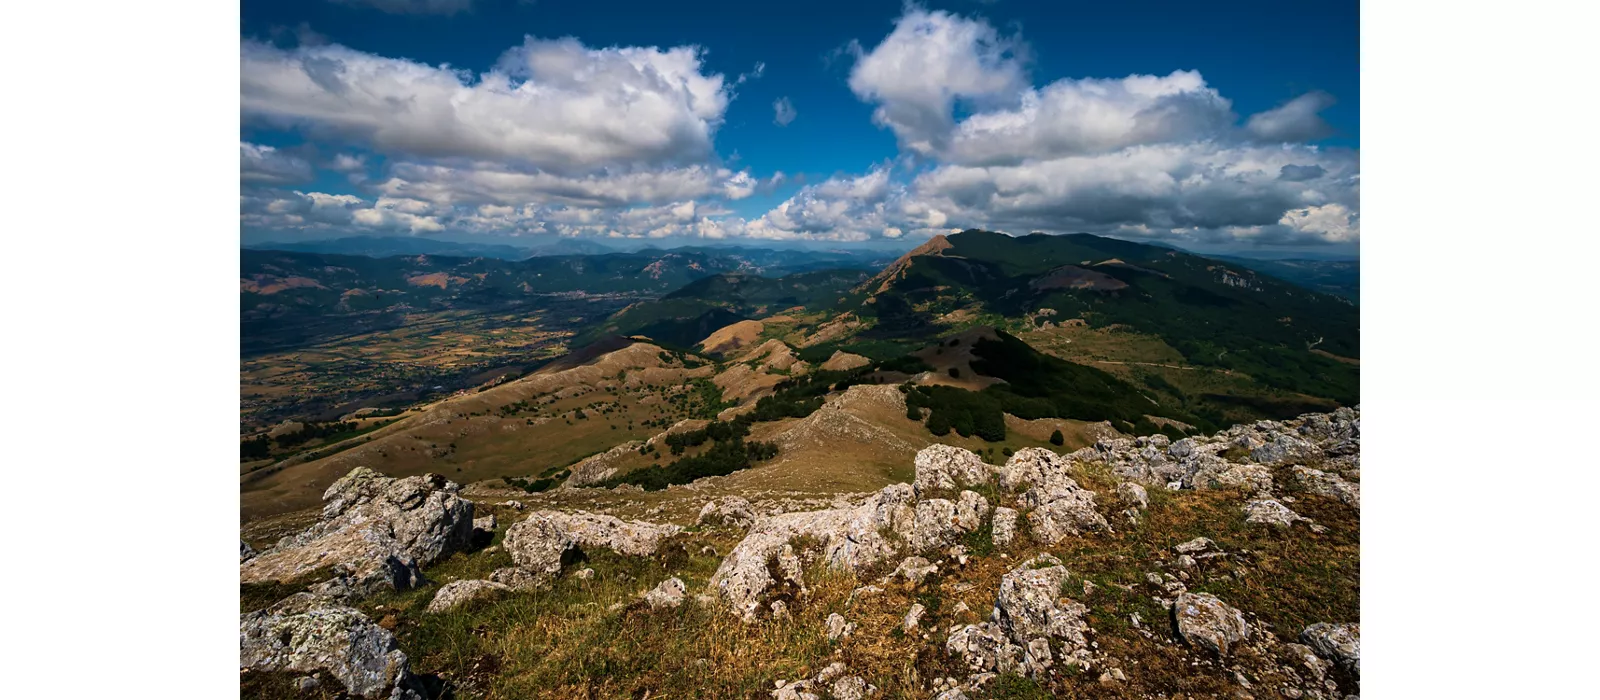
<point x="468" y="438"/>
<point x="432" y="347"/>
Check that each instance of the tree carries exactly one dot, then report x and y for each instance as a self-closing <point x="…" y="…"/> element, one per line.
<point x="1056" y="439"/>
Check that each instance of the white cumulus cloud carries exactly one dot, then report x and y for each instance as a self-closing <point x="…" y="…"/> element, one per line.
<point x="1070" y="117"/>
<point x="553" y="105"/>
<point x="926" y="64"/>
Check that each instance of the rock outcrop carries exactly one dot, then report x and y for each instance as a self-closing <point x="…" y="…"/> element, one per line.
<point x="916" y="518"/>
<point x="1325" y="484"/>
<point x="852" y="538"/>
<point x="1072" y="514"/>
<point x="942" y="468"/>
<point x="304" y="634"/>
<point x="542" y="542"/>
<point x="1060" y="507"/>
<point x="597" y="468"/>
<point x="375" y="533"/>
<point x="1031" y="627"/>
<point x="936" y="522"/>
<point x="1242" y="456"/>
<point x="1340" y="644"/>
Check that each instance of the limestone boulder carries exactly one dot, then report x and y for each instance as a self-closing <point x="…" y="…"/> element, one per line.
<point x="1338" y="643"/>
<point x="1205" y="622"/>
<point x="943" y="468"/>
<point x="375" y="533"/>
<point x="728" y="510"/>
<point x="307" y="634"/>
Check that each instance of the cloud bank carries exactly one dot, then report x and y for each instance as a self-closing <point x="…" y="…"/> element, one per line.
<point x="559" y="137"/>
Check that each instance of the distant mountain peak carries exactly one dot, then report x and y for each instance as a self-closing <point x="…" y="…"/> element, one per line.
<point x="935" y="246"/>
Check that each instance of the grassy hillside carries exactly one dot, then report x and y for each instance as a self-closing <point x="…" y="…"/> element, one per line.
<point x="1213" y="313"/>
<point x="690" y="313"/>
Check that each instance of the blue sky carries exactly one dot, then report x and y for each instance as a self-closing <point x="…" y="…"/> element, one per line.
<point x="1220" y="128"/>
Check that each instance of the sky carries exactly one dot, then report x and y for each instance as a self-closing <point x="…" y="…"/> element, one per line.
<point x="1215" y="127"/>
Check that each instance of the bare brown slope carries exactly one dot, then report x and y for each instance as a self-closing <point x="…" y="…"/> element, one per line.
<point x="732" y="337"/>
<point x="526" y="426"/>
<point x="880" y="282"/>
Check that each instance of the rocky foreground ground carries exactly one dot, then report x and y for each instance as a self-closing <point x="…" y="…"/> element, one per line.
<point x="1218" y="566"/>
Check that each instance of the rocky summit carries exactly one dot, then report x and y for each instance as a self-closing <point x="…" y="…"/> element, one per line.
<point x="1217" y="565"/>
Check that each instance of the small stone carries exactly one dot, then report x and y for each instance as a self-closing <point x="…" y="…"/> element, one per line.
<point x="1267" y="511"/>
<point x="914" y="569"/>
<point x="862" y="592"/>
<point x="669" y="594"/>
<point x="849" y="688"/>
<point x="838" y="628"/>
<point x="780" y="610"/>
<point x="1133" y="494"/>
<point x="583" y="574"/>
<point x="457" y="593"/>
<point x="728" y="510"/>
<point x="486" y="523"/>
<point x="913" y="617"/>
